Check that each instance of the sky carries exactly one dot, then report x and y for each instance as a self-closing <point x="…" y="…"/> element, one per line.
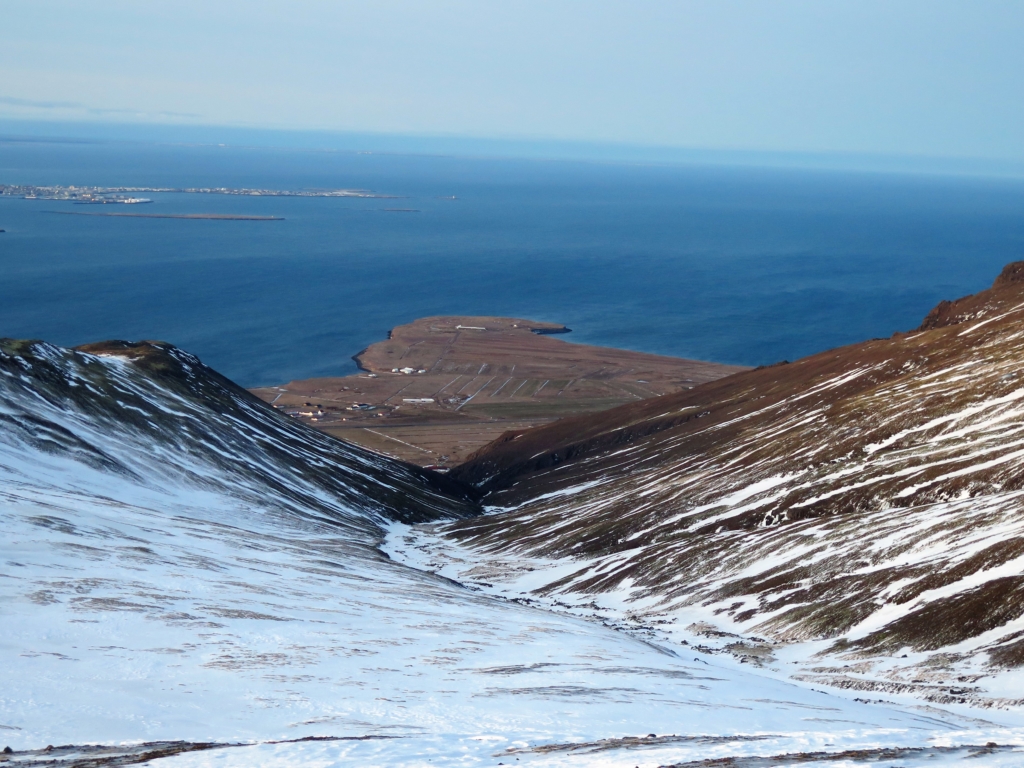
<point x="934" y="78"/>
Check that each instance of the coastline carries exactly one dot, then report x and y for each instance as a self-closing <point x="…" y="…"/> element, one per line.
<point x="202" y="216"/>
<point x="438" y="389"/>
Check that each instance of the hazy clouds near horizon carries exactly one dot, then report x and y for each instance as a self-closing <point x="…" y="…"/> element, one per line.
<point x="934" y="77"/>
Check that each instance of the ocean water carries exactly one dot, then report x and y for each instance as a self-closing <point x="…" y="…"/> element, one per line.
<point x="736" y="265"/>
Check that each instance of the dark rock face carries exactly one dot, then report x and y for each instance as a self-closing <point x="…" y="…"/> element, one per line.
<point x="968" y="308"/>
<point x="1012" y="273"/>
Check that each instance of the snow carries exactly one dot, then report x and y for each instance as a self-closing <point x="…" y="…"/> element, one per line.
<point x="210" y="592"/>
<point x="526" y="578"/>
<point x="177" y="613"/>
<point x="918" y="467"/>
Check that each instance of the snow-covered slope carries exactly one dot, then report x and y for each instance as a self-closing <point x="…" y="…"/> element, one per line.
<point x="155" y="414"/>
<point x="864" y="503"/>
<point x="181" y="564"/>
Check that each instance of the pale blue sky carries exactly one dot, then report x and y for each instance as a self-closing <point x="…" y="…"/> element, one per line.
<point x="929" y="77"/>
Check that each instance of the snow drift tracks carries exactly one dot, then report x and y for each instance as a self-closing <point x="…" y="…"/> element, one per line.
<point x="870" y="496"/>
<point x="183" y="567"/>
<point x="152" y="411"/>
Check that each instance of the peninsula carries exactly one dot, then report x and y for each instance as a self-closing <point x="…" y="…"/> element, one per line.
<point x="91" y="194"/>
<point x="440" y="388"/>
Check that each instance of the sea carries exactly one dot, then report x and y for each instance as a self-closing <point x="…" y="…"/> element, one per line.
<point x="725" y="263"/>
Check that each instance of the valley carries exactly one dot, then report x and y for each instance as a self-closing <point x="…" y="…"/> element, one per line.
<point x="816" y="562"/>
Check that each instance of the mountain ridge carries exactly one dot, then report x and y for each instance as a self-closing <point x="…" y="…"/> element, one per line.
<point x="166" y="395"/>
<point x="867" y="497"/>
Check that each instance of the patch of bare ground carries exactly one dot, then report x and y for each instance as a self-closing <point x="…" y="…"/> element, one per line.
<point x="949" y="620"/>
<point x="100" y="756"/>
<point x="105" y="756"/>
<point x="851" y="756"/>
<point x="630" y="742"/>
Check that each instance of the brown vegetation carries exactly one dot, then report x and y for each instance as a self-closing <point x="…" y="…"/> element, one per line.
<point x="471" y="379"/>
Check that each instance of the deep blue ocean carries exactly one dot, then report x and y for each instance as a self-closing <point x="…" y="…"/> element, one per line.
<point x="736" y="265"/>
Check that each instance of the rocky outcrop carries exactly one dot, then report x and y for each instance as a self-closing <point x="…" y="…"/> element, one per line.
<point x="973" y="307"/>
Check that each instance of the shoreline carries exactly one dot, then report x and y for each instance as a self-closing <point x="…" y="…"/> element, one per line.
<point x="202" y="216"/>
<point x="440" y="388"/>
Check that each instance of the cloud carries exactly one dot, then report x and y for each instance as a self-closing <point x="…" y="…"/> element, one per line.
<point x="40" y="104"/>
<point x="34" y="104"/>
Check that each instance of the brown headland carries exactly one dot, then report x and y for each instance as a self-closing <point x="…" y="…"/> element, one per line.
<point x="440" y="388"/>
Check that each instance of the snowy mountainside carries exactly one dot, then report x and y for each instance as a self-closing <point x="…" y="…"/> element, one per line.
<point x="182" y="564"/>
<point x="864" y="503"/>
<point x="156" y="414"/>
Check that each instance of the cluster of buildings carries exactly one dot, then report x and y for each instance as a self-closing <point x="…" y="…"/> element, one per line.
<point x="111" y="194"/>
<point x="98" y="195"/>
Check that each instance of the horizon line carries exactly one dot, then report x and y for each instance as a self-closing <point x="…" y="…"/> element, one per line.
<point x="501" y="147"/>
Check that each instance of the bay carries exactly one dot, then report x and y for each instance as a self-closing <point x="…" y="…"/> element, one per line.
<point x="746" y="266"/>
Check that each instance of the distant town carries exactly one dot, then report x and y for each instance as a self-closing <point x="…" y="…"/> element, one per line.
<point x="130" y="195"/>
